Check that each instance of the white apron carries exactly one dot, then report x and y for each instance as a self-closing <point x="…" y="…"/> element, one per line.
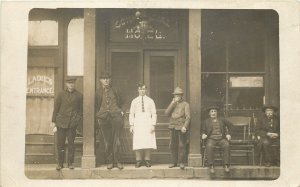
<point x="142" y="136"/>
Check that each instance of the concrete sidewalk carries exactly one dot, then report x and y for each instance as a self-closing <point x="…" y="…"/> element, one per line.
<point x="42" y="171"/>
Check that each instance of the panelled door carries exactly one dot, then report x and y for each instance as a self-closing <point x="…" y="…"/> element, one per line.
<point x="158" y="70"/>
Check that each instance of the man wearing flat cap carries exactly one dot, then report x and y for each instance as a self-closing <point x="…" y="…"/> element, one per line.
<point x="110" y="119"/>
<point x="267" y="132"/>
<point x="66" y="117"/>
<point x="216" y="131"/>
<point x="179" y="112"/>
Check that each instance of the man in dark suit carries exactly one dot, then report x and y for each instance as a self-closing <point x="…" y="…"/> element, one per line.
<point x="110" y="119"/>
<point x="267" y="132"/>
<point x="67" y="115"/>
<point x="216" y="131"/>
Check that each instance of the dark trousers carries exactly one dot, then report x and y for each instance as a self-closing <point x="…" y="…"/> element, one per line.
<point x="111" y="128"/>
<point x="62" y="134"/>
<point x="265" y="147"/>
<point x="178" y="145"/>
<point x="210" y="150"/>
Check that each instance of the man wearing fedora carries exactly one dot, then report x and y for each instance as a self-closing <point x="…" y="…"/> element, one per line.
<point x="66" y="117"/>
<point x="267" y="132"/>
<point x="179" y="112"/>
<point x="110" y="119"/>
<point x="216" y="131"/>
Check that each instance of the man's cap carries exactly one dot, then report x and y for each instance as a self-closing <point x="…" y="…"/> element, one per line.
<point x="177" y="91"/>
<point x="71" y="79"/>
<point x="104" y="75"/>
<point x="269" y="107"/>
<point x="212" y="107"/>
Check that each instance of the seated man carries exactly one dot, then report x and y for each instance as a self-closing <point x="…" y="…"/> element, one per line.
<point x="267" y="132"/>
<point x="215" y="131"/>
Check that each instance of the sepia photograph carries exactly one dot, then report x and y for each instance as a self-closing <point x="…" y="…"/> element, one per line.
<point x="153" y="93"/>
<point x="150" y="93"/>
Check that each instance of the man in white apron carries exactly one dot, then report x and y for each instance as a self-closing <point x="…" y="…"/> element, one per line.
<point x="142" y="120"/>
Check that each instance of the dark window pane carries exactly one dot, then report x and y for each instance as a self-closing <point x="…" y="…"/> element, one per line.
<point x="213" y="90"/>
<point x="126" y="73"/>
<point x="246" y="98"/>
<point x="213" y="56"/>
<point x="246" y="55"/>
<point x="161" y="79"/>
<point x="213" y="37"/>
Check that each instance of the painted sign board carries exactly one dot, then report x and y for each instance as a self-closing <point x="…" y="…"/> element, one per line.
<point x="247" y="82"/>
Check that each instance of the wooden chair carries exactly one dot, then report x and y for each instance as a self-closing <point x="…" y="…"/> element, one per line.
<point x="242" y="144"/>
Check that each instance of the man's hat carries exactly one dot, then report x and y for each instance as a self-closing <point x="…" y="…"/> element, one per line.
<point x="212" y="107"/>
<point x="104" y="75"/>
<point x="177" y="91"/>
<point x="269" y="107"/>
<point x="70" y="79"/>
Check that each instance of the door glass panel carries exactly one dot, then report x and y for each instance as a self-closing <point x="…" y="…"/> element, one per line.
<point x="126" y="73"/>
<point x="161" y="79"/>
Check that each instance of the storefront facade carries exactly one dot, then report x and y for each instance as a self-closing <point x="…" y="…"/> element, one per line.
<point x="224" y="57"/>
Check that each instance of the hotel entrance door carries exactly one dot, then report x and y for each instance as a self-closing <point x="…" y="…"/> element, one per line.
<point x="157" y="69"/>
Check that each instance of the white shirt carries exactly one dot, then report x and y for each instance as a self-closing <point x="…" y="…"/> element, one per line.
<point x="136" y="109"/>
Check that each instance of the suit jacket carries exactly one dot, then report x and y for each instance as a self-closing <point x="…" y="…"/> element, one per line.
<point x="67" y="111"/>
<point x="225" y="126"/>
<point x="99" y="96"/>
<point x="263" y="126"/>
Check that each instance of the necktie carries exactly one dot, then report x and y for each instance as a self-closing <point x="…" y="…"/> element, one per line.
<point x="143" y="108"/>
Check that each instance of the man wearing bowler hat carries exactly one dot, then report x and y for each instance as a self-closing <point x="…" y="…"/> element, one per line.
<point x="216" y="131"/>
<point x="66" y="117"/>
<point x="267" y="132"/>
<point x="179" y="111"/>
<point x="110" y="119"/>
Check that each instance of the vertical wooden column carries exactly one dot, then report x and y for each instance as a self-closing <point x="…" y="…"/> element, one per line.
<point x="88" y="157"/>
<point x="271" y="43"/>
<point x="194" y="157"/>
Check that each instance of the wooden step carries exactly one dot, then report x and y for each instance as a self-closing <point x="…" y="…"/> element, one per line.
<point x="39" y="148"/>
<point x="38" y="138"/>
<point x="40" y="158"/>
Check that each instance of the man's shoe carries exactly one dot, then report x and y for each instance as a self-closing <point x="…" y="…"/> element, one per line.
<point x="227" y="169"/>
<point x="70" y="166"/>
<point x="268" y="164"/>
<point x="138" y="164"/>
<point x="147" y="163"/>
<point x="212" y="170"/>
<point x="59" y="167"/>
<point x="110" y="166"/>
<point x="181" y="165"/>
<point x="172" y="165"/>
<point x="120" y="165"/>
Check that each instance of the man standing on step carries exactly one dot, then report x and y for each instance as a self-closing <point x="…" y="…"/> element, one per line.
<point x="216" y="131"/>
<point x="142" y="120"/>
<point x="66" y="117"/>
<point x="110" y="120"/>
<point x="179" y="111"/>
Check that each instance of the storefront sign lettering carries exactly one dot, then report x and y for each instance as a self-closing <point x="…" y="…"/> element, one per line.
<point x="40" y="78"/>
<point x="149" y="34"/>
<point x="40" y="85"/>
